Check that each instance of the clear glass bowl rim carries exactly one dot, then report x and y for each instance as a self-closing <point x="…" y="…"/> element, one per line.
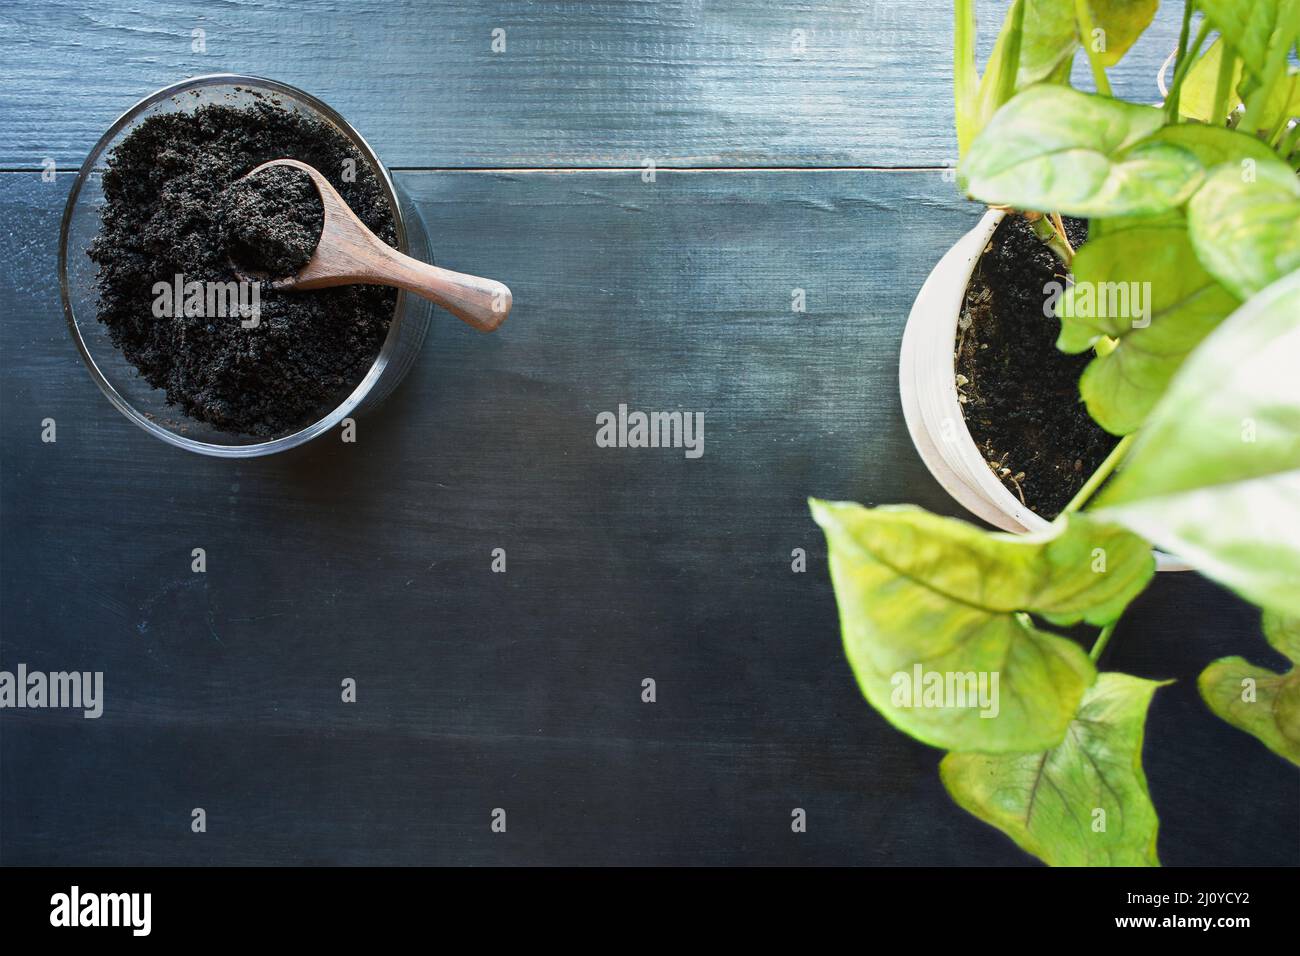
<point x="358" y="394"/>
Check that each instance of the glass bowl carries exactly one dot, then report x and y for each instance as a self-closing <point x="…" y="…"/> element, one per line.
<point x="119" y="380"/>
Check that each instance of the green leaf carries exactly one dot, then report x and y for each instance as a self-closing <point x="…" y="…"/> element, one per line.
<point x="919" y="591"/>
<point x="1085" y="801"/>
<point x="1249" y="25"/>
<point x="1214" y="145"/>
<point x="965" y="78"/>
<point x="1055" y="149"/>
<point x="1051" y="34"/>
<point x="1107" y="225"/>
<point x="1264" y="90"/>
<point x="1245" y="224"/>
<point x="1214" y="475"/>
<point x="978" y="98"/>
<point x="1284" y="634"/>
<point x="1144" y="288"/>
<point x="1262" y="703"/>
<point x="1123" y="22"/>
<point x="1049" y="40"/>
<point x="1282" y="101"/>
<point x="1196" y="98"/>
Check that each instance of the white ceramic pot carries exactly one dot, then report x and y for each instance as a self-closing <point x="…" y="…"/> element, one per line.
<point x="928" y="387"/>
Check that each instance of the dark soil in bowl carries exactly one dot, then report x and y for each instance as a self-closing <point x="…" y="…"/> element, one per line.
<point x="166" y="215"/>
<point x="1019" y="393"/>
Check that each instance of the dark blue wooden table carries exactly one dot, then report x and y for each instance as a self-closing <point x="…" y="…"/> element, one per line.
<point x="794" y="148"/>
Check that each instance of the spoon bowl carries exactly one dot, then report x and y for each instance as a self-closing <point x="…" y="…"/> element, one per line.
<point x="348" y="253"/>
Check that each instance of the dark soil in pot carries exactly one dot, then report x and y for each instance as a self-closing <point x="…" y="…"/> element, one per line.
<point x="1019" y="393"/>
<point x="172" y="209"/>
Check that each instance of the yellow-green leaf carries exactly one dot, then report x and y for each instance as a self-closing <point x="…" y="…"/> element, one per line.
<point x="1249" y="25"/>
<point x="1051" y="34"/>
<point x="1196" y="96"/>
<point x="1261" y="702"/>
<point x="1214" y="475"/>
<point x="1196" y="99"/>
<point x="1143" y="288"/>
<point x="919" y="591"/>
<point x="1083" y="802"/>
<point x="1122" y="22"/>
<point x="1049" y="41"/>
<point x="1214" y="145"/>
<point x="1245" y="224"/>
<point x="1052" y="148"/>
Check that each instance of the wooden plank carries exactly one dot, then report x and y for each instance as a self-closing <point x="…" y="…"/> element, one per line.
<point x="606" y="83"/>
<point x="522" y="690"/>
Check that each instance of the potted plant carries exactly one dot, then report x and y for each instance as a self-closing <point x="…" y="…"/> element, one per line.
<point x="1183" y="309"/>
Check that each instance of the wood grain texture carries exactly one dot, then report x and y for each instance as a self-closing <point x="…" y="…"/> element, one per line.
<point x="607" y="83"/>
<point x="522" y="690"/>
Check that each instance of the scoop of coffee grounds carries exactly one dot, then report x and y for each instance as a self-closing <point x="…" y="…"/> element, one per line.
<point x="1018" y="391"/>
<point x="272" y="220"/>
<point x="162" y="218"/>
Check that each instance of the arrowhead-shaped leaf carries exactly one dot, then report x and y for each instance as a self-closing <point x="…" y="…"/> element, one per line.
<point x="1084" y="802"/>
<point x="1259" y="701"/>
<point x="1214" y="475"/>
<point x="1245" y="224"/>
<point x="1051" y="33"/>
<point x="1052" y="148"/>
<point x="917" y="591"/>
<point x="1144" y="288"/>
<point x="1212" y="146"/>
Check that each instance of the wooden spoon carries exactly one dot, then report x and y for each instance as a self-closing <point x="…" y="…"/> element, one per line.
<point x="348" y="253"/>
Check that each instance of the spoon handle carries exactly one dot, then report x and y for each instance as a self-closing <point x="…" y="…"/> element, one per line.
<point x="481" y="303"/>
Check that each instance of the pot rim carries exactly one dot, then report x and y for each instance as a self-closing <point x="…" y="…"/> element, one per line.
<point x="969" y="480"/>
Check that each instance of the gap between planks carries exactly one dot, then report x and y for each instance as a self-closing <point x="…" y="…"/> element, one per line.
<point x="71" y="170"/>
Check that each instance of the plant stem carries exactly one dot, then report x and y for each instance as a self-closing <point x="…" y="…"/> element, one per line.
<point x="965" y="79"/>
<point x="1046" y="233"/>
<point x="1100" y="475"/>
<point x="1059" y="225"/>
<point x="1289" y="141"/>
<point x="1171" y="104"/>
<point x="1102" y="640"/>
<point x="1222" y="87"/>
<point x="1006" y="79"/>
<point x="1274" y="70"/>
<point x="1275" y="135"/>
<point x="1180" y="72"/>
<point x="1084" y="16"/>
